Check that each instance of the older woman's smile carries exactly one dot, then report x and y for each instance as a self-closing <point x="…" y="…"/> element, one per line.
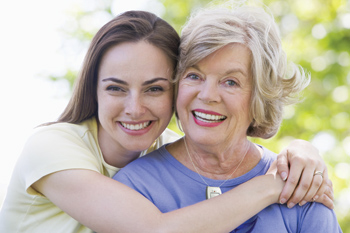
<point x="207" y="118"/>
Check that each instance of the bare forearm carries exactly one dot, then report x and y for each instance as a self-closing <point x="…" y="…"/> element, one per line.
<point x="106" y="205"/>
<point x="225" y="212"/>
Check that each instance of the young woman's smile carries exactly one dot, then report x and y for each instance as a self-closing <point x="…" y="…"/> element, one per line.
<point x="134" y="95"/>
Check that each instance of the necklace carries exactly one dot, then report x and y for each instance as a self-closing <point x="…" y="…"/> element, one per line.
<point x="210" y="190"/>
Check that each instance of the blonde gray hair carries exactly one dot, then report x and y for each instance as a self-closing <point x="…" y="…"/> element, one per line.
<point x="274" y="83"/>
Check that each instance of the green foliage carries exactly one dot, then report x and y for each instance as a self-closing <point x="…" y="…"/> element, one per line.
<point x="316" y="35"/>
<point x="326" y="106"/>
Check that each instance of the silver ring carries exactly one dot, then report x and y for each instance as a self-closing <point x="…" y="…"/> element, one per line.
<point x="318" y="173"/>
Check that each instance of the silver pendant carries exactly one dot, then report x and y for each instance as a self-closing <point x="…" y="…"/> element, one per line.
<point x="213" y="192"/>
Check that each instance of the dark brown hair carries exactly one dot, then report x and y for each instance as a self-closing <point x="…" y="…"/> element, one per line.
<point x="131" y="26"/>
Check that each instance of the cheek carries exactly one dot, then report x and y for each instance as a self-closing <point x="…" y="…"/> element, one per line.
<point x="100" y="105"/>
<point x="108" y="106"/>
<point x="161" y="106"/>
<point x="166" y="104"/>
<point x="102" y="110"/>
<point x="181" y="108"/>
<point x="184" y="96"/>
<point x="243" y="110"/>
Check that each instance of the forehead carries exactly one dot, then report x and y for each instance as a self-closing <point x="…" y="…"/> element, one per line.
<point x="234" y="56"/>
<point x="135" y="59"/>
<point x="133" y="50"/>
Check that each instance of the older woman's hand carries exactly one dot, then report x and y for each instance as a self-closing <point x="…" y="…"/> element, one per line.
<point x="306" y="175"/>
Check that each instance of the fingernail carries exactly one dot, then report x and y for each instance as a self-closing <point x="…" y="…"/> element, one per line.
<point x="284" y="176"/>
<point x="302" y="203"/>
<point x="291" y="205"/>
<point x="315" y="198"/>
<point x="283" y="200"/>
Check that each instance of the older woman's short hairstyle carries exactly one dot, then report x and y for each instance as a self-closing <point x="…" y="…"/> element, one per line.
<point x="209" y="30"/>
<point x="131" y="26"/>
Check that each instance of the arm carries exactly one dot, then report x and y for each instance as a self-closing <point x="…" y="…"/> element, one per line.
<point x="302" y="186"/>
<point x="105" y="205"/>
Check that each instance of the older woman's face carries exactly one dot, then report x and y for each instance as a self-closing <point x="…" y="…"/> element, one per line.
<point x="214" y="97"/>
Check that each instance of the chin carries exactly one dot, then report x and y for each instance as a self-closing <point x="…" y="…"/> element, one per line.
<point x="139" y="146"/>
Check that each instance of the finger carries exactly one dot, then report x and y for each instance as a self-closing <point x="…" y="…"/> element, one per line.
<point x="325" y="200"/>
<point x="306" y="183"/>
<point x="329" y="184"/>
<point x="322" y="188"/>
<point x="327" y="189"/>
<point x="317" y="185"/>
<point x="329" y="194"/>
<point x="282" y="164"/>
<point x="295" y="172"/>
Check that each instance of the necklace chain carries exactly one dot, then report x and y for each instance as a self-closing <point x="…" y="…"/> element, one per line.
<point x="201" y="175"/>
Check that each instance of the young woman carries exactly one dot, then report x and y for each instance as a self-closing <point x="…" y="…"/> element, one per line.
<point x="121" y="104"/>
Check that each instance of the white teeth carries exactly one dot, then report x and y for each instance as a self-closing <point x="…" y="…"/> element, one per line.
<point x="208" y="117"/>
<point x="136" y="126"/>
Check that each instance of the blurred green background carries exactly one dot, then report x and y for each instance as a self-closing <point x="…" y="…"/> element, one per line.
<point x="316" y="35"/>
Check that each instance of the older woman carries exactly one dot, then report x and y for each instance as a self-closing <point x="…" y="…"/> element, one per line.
<point x="232" y="83"/>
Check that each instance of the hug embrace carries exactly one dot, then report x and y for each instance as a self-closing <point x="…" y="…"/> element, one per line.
<point x="226" y="79"/>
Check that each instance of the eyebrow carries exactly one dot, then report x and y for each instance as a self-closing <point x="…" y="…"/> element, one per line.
<point x="154" y="80"/>
<point x="235" y="70"/>
<point x="116" y="80"/>
<point x="148" y="82"/>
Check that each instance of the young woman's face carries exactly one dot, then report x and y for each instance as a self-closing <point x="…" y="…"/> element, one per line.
<point x="134" y="94"/>
<point x="214" y="97"/>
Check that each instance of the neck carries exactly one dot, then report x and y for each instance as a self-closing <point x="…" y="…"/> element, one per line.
<point x="218" y="163"/>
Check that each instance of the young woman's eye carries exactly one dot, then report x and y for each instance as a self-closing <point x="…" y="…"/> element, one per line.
<point x="114" y="88"/>
<point x="155" y="89"/>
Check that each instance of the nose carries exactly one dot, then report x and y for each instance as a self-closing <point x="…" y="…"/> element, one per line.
<point x="134" y="106"/>
<point x="209" y="92"/>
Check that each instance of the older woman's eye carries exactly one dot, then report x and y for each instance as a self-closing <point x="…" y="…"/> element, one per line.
<point x="230" y="83"/>
<point x="192" y="76"/>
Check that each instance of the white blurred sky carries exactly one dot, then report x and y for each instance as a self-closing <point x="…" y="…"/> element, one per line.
<point x="30" y="43"/>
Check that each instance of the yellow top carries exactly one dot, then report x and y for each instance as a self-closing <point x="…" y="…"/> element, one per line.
<point x="50" y="149"/>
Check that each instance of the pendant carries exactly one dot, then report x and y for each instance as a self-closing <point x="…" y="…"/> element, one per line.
<point x="213" y="192"/>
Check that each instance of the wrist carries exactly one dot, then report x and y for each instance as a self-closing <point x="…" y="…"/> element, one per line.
<point x="271" y="186"/>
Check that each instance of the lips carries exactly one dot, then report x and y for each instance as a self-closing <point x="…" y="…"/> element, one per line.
<point x="136" y="127"/>
<point x="208" y="118"/>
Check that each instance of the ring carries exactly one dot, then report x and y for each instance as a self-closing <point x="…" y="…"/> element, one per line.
<point x="318" y="173"/>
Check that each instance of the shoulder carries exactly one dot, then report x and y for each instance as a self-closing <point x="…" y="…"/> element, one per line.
<point x="57" y="147"/>
<point x="65" y="129"/>
<point x="268" y="153"/>
<point x="312" y="217"/>
<point x="62" y="137"/>
<point x="61" y="134"/>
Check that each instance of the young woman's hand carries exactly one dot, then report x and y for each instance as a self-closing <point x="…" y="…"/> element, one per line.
<point x="306" y="175"/>
<point x="278" y="184"/>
